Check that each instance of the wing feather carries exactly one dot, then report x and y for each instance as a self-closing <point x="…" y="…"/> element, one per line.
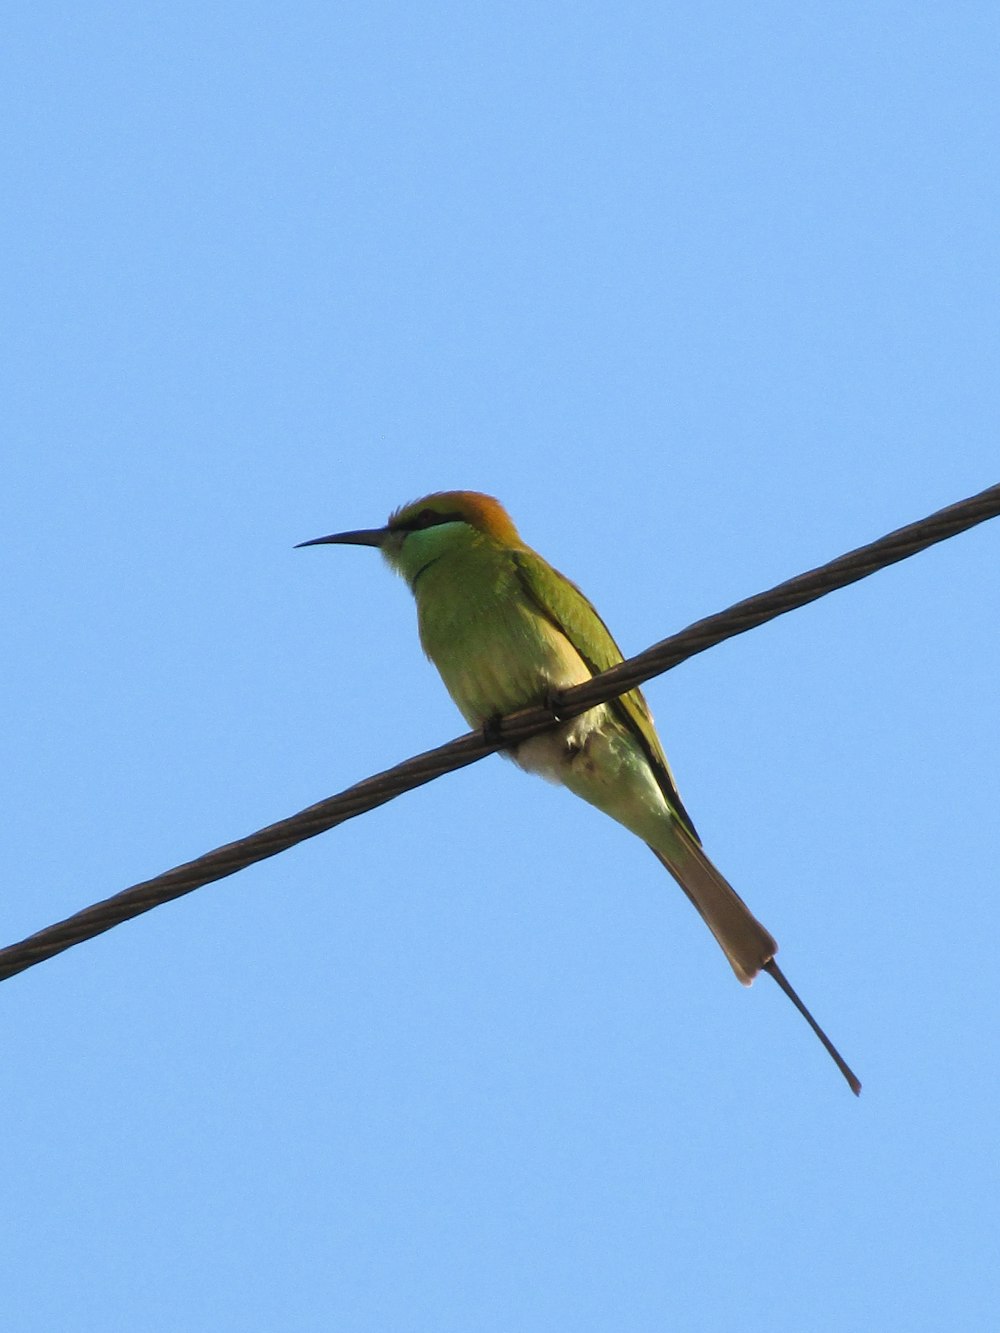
<point x="562" y="603"/>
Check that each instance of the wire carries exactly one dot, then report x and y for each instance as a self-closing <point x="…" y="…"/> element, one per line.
<point x="467" y="749"/>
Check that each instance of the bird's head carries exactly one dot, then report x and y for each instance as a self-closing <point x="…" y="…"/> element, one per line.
<point x="420" y="532"/>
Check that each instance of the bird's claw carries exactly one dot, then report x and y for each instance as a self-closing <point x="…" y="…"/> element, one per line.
<point x="492" y="729"/>
<point x="550" y="702"/>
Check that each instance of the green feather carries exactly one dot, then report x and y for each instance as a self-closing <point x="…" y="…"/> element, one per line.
<point x="562" y="603"/>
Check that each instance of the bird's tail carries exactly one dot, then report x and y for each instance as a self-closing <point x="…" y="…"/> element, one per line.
<point x="749" y="947"/>
<point x="745" y="942"/>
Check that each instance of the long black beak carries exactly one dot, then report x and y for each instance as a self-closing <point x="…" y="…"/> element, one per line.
<point x="363" y="537"/>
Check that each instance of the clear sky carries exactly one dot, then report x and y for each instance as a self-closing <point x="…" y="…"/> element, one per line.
<point x="707" y="294"/>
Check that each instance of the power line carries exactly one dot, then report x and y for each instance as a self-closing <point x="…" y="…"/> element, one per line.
<point x="467" y="749"/>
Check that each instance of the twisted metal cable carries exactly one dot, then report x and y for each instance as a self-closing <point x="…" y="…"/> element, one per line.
<point x="467" y="749"/>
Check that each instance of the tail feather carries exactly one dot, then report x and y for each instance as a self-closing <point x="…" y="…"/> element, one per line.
<point x="744" y="941"/>
<point x="749" y="947"/>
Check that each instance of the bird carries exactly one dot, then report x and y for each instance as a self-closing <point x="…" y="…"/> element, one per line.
<point x="507" y="631"/>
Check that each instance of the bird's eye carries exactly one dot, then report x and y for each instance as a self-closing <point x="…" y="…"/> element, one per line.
<point x="425" y="519"/>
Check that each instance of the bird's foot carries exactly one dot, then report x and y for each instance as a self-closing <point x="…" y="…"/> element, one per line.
<point x="492" y="729"/>
<point x="551" y="700"/>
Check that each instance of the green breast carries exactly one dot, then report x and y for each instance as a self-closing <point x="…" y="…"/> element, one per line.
<point x="493" y="650"/>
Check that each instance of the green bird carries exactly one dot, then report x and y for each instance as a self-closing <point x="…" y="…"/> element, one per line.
<point x="506" y="630"/>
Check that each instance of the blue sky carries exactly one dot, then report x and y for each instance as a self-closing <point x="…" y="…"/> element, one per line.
<point x="707" y="294"/>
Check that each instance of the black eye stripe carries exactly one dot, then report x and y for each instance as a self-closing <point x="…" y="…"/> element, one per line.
<point x="427" y="518"/>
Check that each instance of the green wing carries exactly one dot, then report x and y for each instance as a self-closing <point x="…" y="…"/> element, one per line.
<point x="563" y="604"/>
